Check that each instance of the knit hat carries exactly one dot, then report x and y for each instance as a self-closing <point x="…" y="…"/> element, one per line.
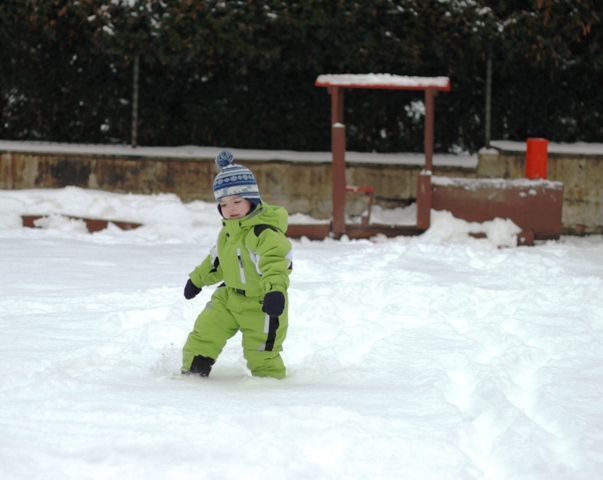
<point x="234" y="180"/>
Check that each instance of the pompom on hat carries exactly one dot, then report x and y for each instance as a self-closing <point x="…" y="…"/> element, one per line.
<point x="234" y="180"/>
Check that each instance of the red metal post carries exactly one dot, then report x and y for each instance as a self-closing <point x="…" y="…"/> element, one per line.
<point x="338" y="166"/>
<point x="537" y="157"/>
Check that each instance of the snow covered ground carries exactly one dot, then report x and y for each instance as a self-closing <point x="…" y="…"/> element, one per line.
<point x="432" y="357"/>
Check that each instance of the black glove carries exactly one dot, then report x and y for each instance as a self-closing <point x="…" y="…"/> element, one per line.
<point x="191" y="290"/>
<point x="274" y="303"/>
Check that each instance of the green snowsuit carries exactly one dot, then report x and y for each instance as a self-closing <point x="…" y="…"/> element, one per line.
<point x="252" y="257"/>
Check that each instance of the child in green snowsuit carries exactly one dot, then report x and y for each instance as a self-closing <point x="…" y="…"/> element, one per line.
<point x="253" y="259"/>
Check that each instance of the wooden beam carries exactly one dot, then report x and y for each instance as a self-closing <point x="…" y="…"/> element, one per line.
<point x="429" y="128"/>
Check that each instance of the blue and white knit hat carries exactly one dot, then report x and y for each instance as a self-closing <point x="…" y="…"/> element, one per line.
<point x="234" y="180"/>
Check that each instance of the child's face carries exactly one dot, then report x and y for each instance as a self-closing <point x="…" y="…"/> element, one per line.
<point x="234" y="207"/>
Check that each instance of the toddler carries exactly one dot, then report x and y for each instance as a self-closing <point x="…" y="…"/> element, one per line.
<point x="252" y="259"/>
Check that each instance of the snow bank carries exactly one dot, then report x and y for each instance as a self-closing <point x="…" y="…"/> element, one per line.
<point x="438" y="356"/>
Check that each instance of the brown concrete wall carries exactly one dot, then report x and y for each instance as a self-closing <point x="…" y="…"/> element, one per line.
<point x="301" y="187"/>
<point x="112" y="173"/>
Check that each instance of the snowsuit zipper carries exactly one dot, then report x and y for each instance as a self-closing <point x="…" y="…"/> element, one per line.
<point x="241" y="270"/>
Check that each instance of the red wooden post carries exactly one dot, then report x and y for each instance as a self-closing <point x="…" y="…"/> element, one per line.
<point x="338" y="181"/>
<point x="424" y="179"/>
<point x="336" y="104"/>
<point x="430" y="93"/>
<point x="424" y="200"/>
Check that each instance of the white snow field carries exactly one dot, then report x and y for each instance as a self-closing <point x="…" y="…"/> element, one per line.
<point x="433" y="357"/>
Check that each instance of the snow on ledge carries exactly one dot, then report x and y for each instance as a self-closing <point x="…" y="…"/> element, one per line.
<point x="194" y="153"/>
<point x="575" y="148"/>
<point x="382" y="80"/>
<point x="498" y="183"/>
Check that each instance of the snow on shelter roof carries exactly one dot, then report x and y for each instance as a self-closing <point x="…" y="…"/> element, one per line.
<point x="382" y="80"/>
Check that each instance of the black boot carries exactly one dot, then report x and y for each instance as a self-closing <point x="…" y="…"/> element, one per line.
<point x="201" y="366"/>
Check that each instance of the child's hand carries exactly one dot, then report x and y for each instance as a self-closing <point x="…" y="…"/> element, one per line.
<point x="274" y="303"/>
<point x="191" y="290"/>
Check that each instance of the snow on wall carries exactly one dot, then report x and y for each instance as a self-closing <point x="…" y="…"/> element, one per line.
<point x="575" y="148"/>
<point x="194" y="152"/>
<point x="499" y="183"/>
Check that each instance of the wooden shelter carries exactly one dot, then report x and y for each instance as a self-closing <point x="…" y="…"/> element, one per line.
<point x="336" y="85"/>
